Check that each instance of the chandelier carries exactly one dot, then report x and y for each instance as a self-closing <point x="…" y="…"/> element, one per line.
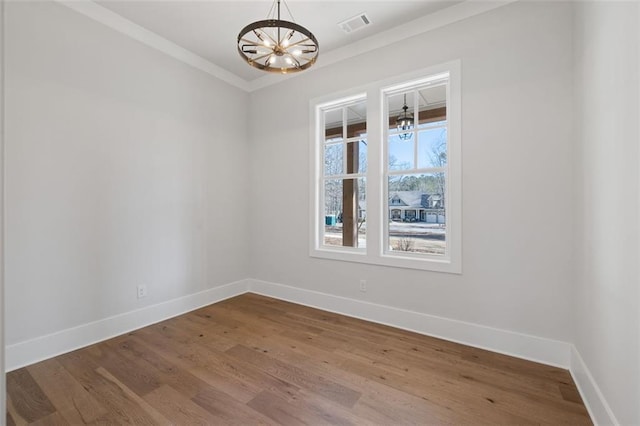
<point x="275" y="45"/>
<point x="405" y="122"/>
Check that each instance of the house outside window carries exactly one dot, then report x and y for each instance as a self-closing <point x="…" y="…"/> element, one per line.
<point x="385" y="194"/>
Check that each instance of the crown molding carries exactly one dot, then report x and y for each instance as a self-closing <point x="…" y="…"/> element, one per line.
<point x="418" y="26"/>
<point x="117" y="22"/>
<point x="441" y="18"/>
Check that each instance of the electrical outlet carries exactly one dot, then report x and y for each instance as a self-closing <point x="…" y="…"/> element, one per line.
<point x="142" y="291"/>
<point x="363" y="285"/>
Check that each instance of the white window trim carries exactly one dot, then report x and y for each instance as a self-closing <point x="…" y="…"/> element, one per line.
<point x="317" y="170"/>
<point x="377" y="213"/>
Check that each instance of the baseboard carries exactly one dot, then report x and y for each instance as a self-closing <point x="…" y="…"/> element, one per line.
<point x="533" y="348"/>
<point x="599" y="410"/>
<point x="546" y="351"/>
<point x="44" y="347"/>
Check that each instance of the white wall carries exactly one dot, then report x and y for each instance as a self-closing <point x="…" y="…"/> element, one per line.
<point x="607" y="301"/>
<point x="121" y="169"/>
<point x="517" y="186"/>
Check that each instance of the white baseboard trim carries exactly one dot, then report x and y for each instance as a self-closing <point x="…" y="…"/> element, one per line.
<point x="533" y="348"/>
<point x="44" y="347"/>
<point x="594" y="400"/>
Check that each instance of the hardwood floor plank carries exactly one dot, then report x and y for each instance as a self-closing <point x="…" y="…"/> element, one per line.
<point x="152" y="412"/>
<point x="239" y="390"/>
<point x="136" y="376"/>
<point x="177" y="408"/>
<point x="227" y="410"/>
<point x="192" y="330"/>
<point x="284" y="413"/>
<point x="29" y="402"/>
<point x="13" y="417"/>
<point x="256" y="360"/>
<point x="55" y="419"/>
<point x="196" y="361"/>
<point x="9" y="419"/>
<point x="290" y="373"/>
<point x="71" y="400"/>
<point x="166" y="372"/>
<point x="438" y="393"/>
<point x="121" y="409"/>
<point x="242" y="371"/>
<point x="402" y="362"/>
<point x="267" y="404"/>
<point x="570" y="392"/>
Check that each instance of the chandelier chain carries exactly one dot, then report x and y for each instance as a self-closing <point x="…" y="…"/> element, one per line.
<point x="289" y="10"/>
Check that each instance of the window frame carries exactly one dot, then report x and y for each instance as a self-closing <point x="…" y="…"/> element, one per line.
<point x="318" y="165"/>
<point x="376" y="250"/>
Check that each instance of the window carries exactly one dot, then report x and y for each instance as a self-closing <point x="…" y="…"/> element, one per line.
<point x="344" y="190"/>
<point x="416" y="168"/>
<point x="386" y="176"/>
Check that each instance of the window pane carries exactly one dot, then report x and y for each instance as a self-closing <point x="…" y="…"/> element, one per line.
<point x="432" y="146"/>
<point x="400" y="153"/>
<point x="333" y="125"/>
<point x="357" y="157"/>
<point x="432" y="102"/>
<point x="399" y="116"/>
<point x="333" y="159"/>
<point x="417" y="217"/>
<point x="345" y="212"/>
<point x="356" y="119"/>
<point x="362" y="155"/>
<point x="332" y="210"/>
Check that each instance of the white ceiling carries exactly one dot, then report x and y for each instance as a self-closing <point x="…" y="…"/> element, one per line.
<point x="209" y="28"/>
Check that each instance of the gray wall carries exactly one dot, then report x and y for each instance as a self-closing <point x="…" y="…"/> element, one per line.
<point x="517" y="153"/>
<point x="2" y="315"/>
<point x="607" y="299"/>
<point x="122" y="168"/>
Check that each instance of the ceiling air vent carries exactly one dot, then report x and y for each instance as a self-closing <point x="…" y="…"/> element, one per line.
<point x="355" y="23"/>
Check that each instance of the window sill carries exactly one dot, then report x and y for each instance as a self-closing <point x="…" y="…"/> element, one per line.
<point x="389" y="260"/>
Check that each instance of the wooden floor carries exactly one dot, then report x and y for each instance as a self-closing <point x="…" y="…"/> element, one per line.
<point x="256" y="360"/>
